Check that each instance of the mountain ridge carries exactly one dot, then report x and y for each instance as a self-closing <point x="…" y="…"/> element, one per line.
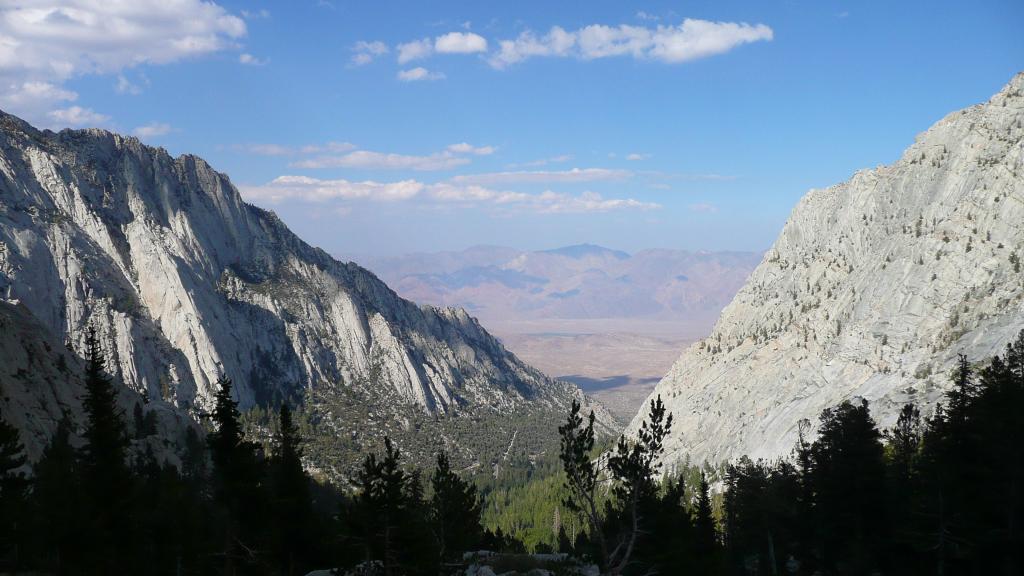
<point x="185" y="282"/>
<point x="871" y="290"/>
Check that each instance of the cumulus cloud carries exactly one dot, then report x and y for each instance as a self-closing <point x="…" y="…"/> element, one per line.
<point x="691" y="40"/>
<point x="367" y="159"/>
<point x="152" y="130"/>
<point x="417" y="74"/>
<point x="460" y="43"/>
<point x="304" y="188"/>
<point x="365" y="52"/>
<point x="415" y="50"/>
<point x="46" y="42"/>
<point x="562" y="176"/>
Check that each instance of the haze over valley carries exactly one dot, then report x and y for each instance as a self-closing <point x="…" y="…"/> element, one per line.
<point x="609" y="321"/>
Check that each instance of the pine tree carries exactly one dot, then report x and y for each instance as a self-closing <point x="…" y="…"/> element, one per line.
<point x="57" y="509"/>
<point x="634" y="466"/>
<point x="13" y="493"/>
<point x="704" y="522"/>
<point x="292" y="504"/>
<point x="106" y="477"/>
<point x="236" y="479"/>
<point x="454" y="509"/>
<point x="581" y="474"/>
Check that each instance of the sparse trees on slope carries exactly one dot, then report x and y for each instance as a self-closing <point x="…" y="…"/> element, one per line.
<point x="582" y="474"/>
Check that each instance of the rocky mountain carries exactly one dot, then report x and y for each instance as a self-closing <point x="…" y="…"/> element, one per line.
<point x="185" y="283"/>
<point x="503" y="285"/>
<point x="871" y="290"/>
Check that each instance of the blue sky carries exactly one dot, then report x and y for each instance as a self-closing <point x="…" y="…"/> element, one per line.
<point x="390" y="127"/>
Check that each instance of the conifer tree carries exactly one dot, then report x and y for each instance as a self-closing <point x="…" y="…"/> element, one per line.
<point x="106" y="476"/>
<point x="57" y="504"/>
<point x="236" y="479"/>
<point x="13" y="493"/>
<point x="581" y="474"/>
<point x="293" y="508"/>
<point x="634" y="466"/>
<point x="454" y="509"/>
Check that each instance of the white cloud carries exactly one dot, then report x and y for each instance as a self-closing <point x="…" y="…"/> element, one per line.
<point x="126" y="86"/>
<point x="465" y="148"/>
<point x="316" y="190"/>
<point x="262" y="14"/>
<point x="152" y="130"/>
<point x="366" y="52"/>
<point x="366" y="159"/>
<point x="641" y="15"/>
<point x="543" y="161"/>
<point x="261" y="149"/>
<point x="637" y="156"/>
<point x="50" y="42"/>
<point x="704" y="208"/>
<point x="415" y="50"/>
<point x="417" y="74"/>
<point x="76" y="116"/>
<point x="250" y="60"/>
<point x="691" y="40"/>
<point x="304" y="188"/>
<point x="460" y="43"/>
<point x="563" y="176"/>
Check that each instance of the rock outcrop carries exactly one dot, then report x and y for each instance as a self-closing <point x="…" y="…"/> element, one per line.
<point x="872" y="289"/>
<point x="185" y="283"/>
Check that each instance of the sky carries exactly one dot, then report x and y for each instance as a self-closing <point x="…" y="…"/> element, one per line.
<point x="390" y="127"/>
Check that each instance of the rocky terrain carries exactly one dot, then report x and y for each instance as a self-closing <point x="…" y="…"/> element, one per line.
<point x="185" y="283"/>
<point x="871" y="290"/>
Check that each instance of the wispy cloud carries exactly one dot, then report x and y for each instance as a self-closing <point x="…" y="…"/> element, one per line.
<point x="691" y="40"/>
<point x="544" y="176"/>
<point x="636" y="156"/>
<point x="465" y="148"/>
<point x="704" y="207"/>
<point x="250" y="60"/>
<point x="78" y="116"/>
<point x="152" y="130"/>
<point x="366" y="159"/>
<point x="303" y="188"/>
<point x="259" y="149"/>
<point x="418" y="74"/>
<point x="365" y="52"/>
<point x="543" y="161"/>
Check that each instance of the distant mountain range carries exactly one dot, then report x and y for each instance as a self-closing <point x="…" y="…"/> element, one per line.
<point x="581" y="282"/>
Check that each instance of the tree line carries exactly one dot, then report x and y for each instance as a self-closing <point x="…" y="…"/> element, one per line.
<point x="228" y="507"/>
<point x="942" y="494"/>
<point x="937" y="494"/>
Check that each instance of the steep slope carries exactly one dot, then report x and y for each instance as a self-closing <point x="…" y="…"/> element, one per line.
<point x="185" y="282"/>
<point x="40" y="384"/>
<point x="872" y="289"/>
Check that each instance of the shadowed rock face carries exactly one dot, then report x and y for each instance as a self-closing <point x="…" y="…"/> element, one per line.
<point x="872" y="289"/>
<point x="185" y="282"/>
